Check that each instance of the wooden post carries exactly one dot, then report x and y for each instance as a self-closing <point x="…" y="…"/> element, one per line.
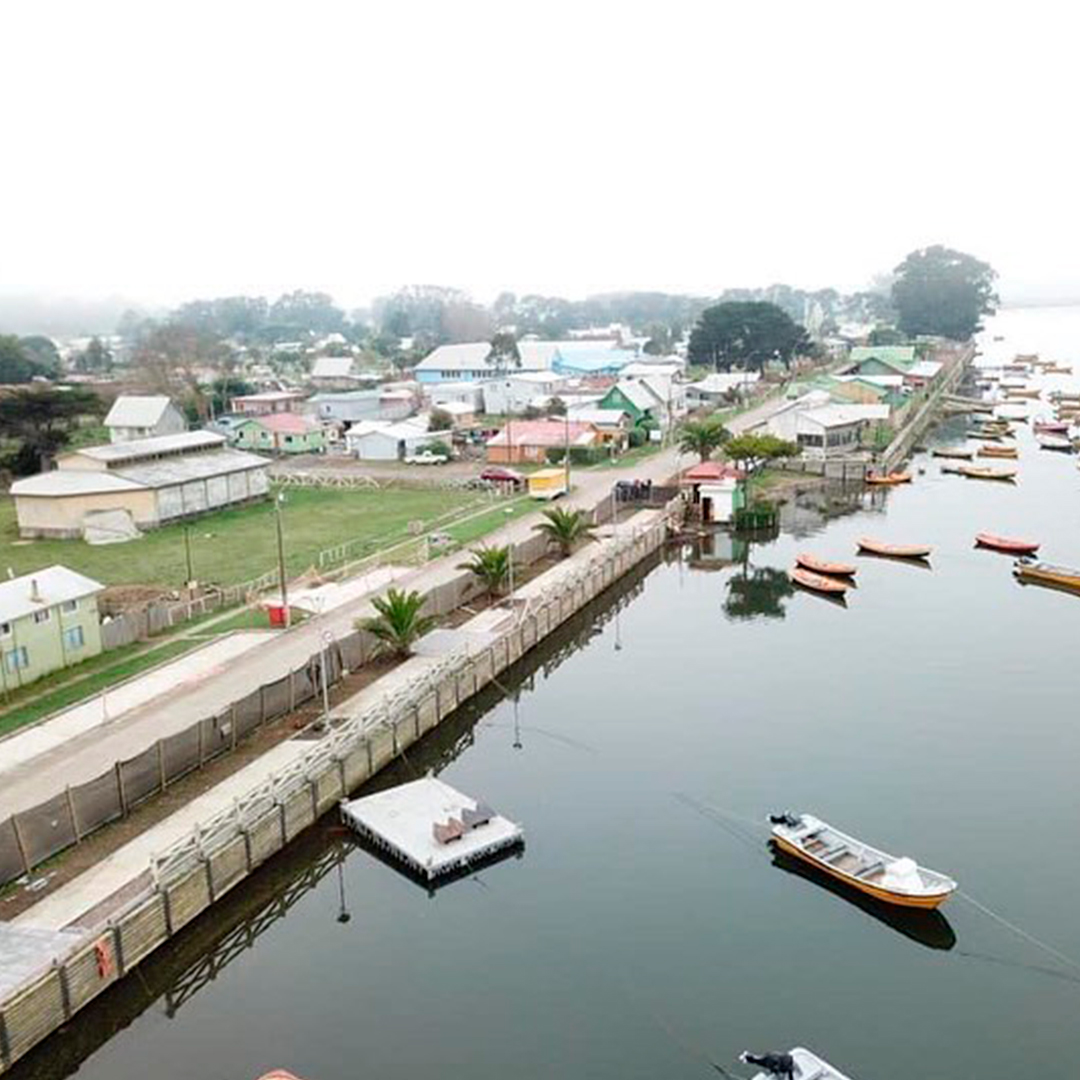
<point x="161" y="763"/>
<point x="72" y="815"/>
<point x="200" y="730"/>
<point x="232" y="722"/>
<point x="5" y="1043"/>
<point x="19" y="842"/>
<point x="65" y="992"/>
<point x="118" y="949"/>
<point x="292" y="691"/>
<point x="120" y="790"/>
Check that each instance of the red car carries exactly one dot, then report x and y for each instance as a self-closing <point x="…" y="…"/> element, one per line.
<point x="496" y="474"/>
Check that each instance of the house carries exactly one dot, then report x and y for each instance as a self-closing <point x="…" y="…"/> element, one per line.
<point x="612" y="424"/>
<point x="281" y="433"/>
<point x="514" y="391"/>
<point x="463" y="415"/>
<point x="336" y="373"/>
<point x="826" y="430"/>
<point x="469" y="362"/>
<point x="48" y="621"/>
<point x="380" y="440"/>
<point x="530" y="440"/>
<point x="346" y="407"/>
<point x="715" y="489"/>
<point x="719" y="387"/>
<point x="583" y="359"/>
<point x="150" y="482"/>
<point x="880" y="360"/>
<point x="138" y="416"/>
<point x="638" y="400"/>
<point x="272" y="401"/>
<point x="465" y="393"/>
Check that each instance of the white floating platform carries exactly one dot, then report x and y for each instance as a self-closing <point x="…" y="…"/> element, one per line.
<point x="402" y="822"/>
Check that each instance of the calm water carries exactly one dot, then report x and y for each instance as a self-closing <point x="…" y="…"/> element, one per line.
<point x="645" y="928"/>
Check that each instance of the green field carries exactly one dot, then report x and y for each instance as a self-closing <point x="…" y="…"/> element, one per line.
<point x="237" y="545"/>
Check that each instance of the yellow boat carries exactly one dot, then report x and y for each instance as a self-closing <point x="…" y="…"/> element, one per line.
<point x="1041" y="573"/>
<point x="883" y="876"/>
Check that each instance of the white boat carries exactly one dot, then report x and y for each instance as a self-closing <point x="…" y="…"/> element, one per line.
<point x="797" y="1064"/>
<point x="1055" y="442"/>
<point x="883" y="876"/>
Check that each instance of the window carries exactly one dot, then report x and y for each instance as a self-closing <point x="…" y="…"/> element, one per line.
<point x="16" y="660"/>
<point x="5" y="629"/>
<point x="41" y="616"/>
<point x="70" y="605"/>
<point x="73" y="637"/>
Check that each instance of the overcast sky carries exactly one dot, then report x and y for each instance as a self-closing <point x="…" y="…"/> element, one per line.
<point x="164" y="151"/>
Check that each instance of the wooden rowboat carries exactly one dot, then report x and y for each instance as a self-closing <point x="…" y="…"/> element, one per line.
<point x="798" y="1064"/>
<point x="1051" y="426"/>
<point x="1064" y="395"/>
<point x="1021" y="392"/>
<point x="820" y="566"/>
<point x="1010" y="545"/>
<point x="1057" y="369"/>
<point x="998" y="451"/>
<point x="1041" y="573"/>
<point x="1056" y="442"/>
<point x="819" y="582"/>
<point x="952" y="452"/>
<point x="889" y="478"/>
<point x="984" y="472"/>
<point x="872" y="871"/>
<point x="894" y="551"/>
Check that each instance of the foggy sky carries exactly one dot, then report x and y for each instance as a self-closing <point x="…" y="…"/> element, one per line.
<point x="167" y="151"/>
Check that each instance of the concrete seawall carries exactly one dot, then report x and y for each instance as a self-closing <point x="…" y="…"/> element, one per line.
<point x="203" y="867"/>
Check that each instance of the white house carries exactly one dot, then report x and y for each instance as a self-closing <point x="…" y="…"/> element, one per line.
<point x="379" y="440"/>
<point x="716" y="388"/>
<point x="826" y="430"/>
<point x="462" y="393"/>
<point x="512" y="392"/>
<point x="138" y="416"/>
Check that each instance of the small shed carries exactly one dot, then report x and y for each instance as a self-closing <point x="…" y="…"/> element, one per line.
<point x="715" y="489"/>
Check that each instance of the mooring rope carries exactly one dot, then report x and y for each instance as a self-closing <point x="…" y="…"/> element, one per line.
<point x="726" y="821"/>
<point x="1018" y="931"/>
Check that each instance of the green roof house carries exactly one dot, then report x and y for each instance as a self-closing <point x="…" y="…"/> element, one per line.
<point x="280" y="433"/>
<point x="880" y="360"/>
<point x="633" y="398"/>
<point x="48" y="620"/>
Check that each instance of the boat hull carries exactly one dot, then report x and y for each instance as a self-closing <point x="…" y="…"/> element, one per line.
<point x="894" y="551"/>
<point x="819" y="582"/>
<point x="1058" y="577"/>
<point x="1008" y="544"/>
<point x="820" y="566"/>
<point x="925" y="903"/>
<point x="891" y="480"/>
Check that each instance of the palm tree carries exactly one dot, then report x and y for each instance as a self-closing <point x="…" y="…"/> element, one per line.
<point x="489" y="565"/>
<point x="565" y="528"/>
<point x="702" y="437"/>
<point x="399" y="623"/>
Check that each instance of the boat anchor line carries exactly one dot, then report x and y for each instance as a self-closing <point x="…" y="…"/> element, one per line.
<point x="728" y="822"/>
<point x="1058" y="955"/>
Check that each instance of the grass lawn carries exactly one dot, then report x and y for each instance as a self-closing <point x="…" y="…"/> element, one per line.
<point x="237" y="545"/>
<point x="482" y="524"/>
<point x="102" y="671"/>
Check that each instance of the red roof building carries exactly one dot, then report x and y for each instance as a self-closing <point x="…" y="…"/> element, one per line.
<point x="529" y="440"/>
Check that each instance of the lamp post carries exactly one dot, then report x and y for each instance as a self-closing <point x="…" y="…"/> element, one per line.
<point x="187" y="554"/>
<point x="279" y="498"/>
<point x="566" y="448"/>
<point x="325" y="638"/>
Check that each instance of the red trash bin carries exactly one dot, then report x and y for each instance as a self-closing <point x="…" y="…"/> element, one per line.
<point x="276" y="613"/>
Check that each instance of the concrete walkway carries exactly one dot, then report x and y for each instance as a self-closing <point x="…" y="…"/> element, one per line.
<point x="86" y="755"/>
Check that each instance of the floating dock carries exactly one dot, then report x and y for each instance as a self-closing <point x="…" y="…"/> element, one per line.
<point x="430" y="827"/>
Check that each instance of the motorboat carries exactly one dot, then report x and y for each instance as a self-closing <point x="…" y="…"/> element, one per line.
<point x="796" y="1064"/>
<point x="892" y="879"/>
<point x="1043" y="573"/>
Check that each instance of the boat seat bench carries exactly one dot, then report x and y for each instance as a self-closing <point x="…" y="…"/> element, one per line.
<point x="873" y="868"/>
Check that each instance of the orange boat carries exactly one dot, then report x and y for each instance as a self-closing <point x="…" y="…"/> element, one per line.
<point x="894" y="551"/>
<point x="1010" y="545"/>
<point x="883" y="876"/>
<point x="820" y="566"/>
<point x="998" y="451"/>
<point x="889" y="478"/>
<point x="818" y="582"/>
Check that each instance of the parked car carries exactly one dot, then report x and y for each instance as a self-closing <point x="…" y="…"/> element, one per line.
<point x="426" y="457"/>
<point x="497" y="474"/>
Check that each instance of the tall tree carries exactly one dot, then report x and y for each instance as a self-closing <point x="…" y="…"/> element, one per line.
<point x="16" y="364"/>
<point x="746" y="333"/>
<point x="311" y="311"/>
<point x="39" y="421"/>
<point x="504" y="352"/>
<point x="702" y="437"/>
<point x="42" y="350"/>
<point x="97" y="356"/>
<point x="943" y="292"/>
<point x="171" y="358"/>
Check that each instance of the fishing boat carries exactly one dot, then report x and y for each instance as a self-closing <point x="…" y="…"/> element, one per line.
<point x="819" y="582"/>
<point x="1008" y="544"/>
<point x="1042" y="573"/>
<point x="797" y="1064"/>
<point x="1065" y="395"/>
<point x="821" y="566"/>
<point x="985" y="472"/>
<point x="952" y="452"/>
<point x="896" y="880"/>
<point x="998" y="451"/>
<point x="1022" y="392"/>
<point x="889" y="479"/>
<point x="1056" y="442"/>
<point x="1050" y="426"/>
<point x="894" y="551"/>
<point x="1057" y="369"/>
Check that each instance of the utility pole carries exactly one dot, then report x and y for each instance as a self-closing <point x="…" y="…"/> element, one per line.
<point x="278" y="498"/>
<point x="187" y="553"/>
<point x="566" y="458"/>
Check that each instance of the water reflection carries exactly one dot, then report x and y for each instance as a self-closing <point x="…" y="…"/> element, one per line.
<point x="929" y="928"/>
<point x="757" y="592"/>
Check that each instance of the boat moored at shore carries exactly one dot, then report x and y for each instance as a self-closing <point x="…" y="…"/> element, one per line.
<point x="797" y="1064"/>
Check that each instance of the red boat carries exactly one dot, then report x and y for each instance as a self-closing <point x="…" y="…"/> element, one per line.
<point x="818" y="582"/>
<point x="1010" y="545"/>
<point x="820" y="566"/>
<point x="1051" y="426"/>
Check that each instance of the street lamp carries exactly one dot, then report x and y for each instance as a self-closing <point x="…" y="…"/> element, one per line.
<point x="325" y="638"/>
<point x="279" y="498"/>
<point x="566" y="458"/>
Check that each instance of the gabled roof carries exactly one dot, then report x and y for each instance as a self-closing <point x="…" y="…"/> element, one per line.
<point x="639" y="395"/>
<point x="332" y="367"/>
<point x="470" y="356"/>
<point x="544" y="433"/>
<point x="117" y="453"/>
<point x="842" y="415"/>
<point x="710" y="470"/>
<point x="53" y="585"/>
<point x="137" y="410"/>
<point x="899" y="356"/>
<point x="72" y="482"/>
<point x="723" y="382"/>
<point x="602" y="418"/>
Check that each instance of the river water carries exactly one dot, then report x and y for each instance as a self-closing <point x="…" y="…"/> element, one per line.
<point x="646" y="930"/>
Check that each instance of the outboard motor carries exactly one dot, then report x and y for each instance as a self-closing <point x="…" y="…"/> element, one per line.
<point x="774" y="1064"/>
<point x="792" y="821"/>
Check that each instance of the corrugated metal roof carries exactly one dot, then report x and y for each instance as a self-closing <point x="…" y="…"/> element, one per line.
<point x="544" y="433"/>
<point x="181" y="470"/>
<point x="471" y="356"/>
<point x="137" y="410"/>
<point x="117" y="453"/>
<point x="71" y="482"/>
<point x="332" y="367"/>
<point x="285" y="423"/>
<point x="54" y="585"/>
<point x="839" y="415"/>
